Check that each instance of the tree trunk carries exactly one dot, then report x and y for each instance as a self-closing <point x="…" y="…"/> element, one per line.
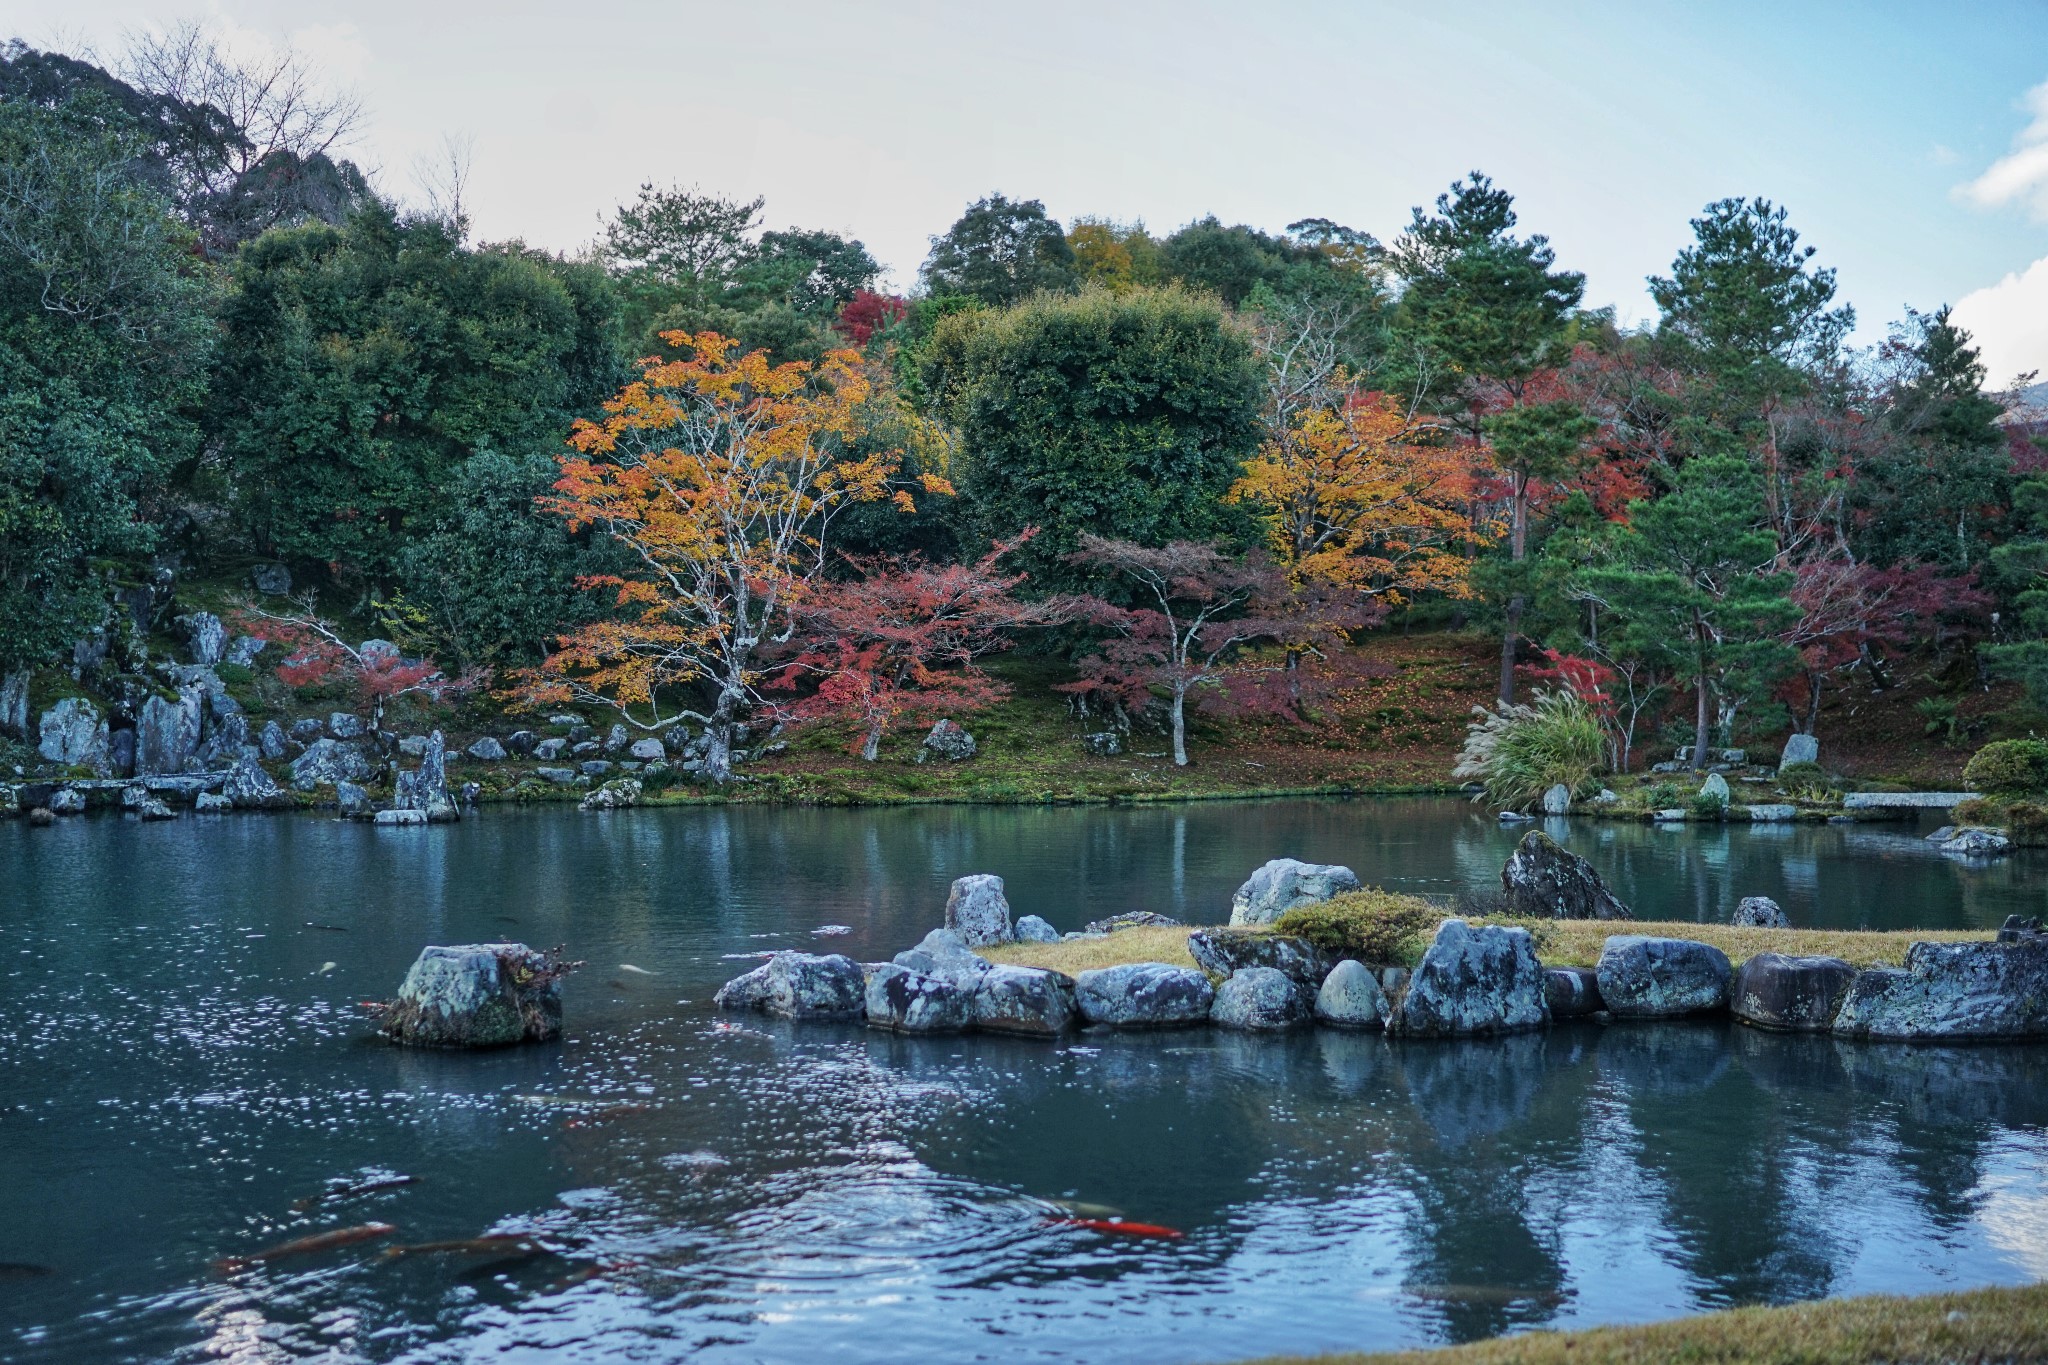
<point x="1180" y="729"/>
<point x="718" y="737"/>
<point x="1812" y="703"/>
<point x="1518" y="548"/>
<point x="1702" y="689"/>
<point x="871" y="748"/>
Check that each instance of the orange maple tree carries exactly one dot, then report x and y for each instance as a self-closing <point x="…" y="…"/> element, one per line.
<point x="721" y="473"/>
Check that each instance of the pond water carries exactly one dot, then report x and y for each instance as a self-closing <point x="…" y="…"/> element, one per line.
<point x="185" y="1063"/>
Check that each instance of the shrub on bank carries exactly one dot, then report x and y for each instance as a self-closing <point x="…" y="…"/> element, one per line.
<point x="1520" y="751"/>
<point x="2009" y="766"/>
<point x="1371" y="925"/>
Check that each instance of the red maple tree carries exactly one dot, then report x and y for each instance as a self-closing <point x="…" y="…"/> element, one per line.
<point x="375" y="671"/>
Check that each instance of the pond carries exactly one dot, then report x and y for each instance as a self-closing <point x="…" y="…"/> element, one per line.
<point x="187" y="1069"/>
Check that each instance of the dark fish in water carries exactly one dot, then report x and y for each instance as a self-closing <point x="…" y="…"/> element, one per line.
<point x="1482" y="1293"/>
<point x="635" y="971"/>
<point x="306" y="1246"/>
<point x="507" y="1245"/>
<point x="1117" y="1227"/>
<point x="19" y="1270"/>
<point x="353" y="1189"/>
<point x="330" y="928"/>
<point x="1081" y="1208"/>
<point x="585" y="1273"/>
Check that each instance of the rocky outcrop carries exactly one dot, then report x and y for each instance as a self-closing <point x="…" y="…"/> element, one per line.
<point x="1032" y="929"/>
<point x="1759" y="912"/>
<point x="1572" y="992"/>
<point x="1659" y="978"/>
<point x="1285" y="883"/>
<point x="167" y="732"/>
<point x="1977" y="843"/>
<point x="74" y="733"/>
<point x="205" y="637"/>
<point x="1952" y="992"/>
<point x="946" y="741"/>
<point x="1791" y="994"/>
<point x="907" y="1002"/>
<point x="271" y="741"/>
<point x="799" y="986"/>
<point x="1350" y="997"/>
<point x="328" y="761"/>
<point x="248" y="787"/>
<point x="978" y="911"/>
<point x="346" y="725"/>
<point x="425" y="788"/>
<point x="1260" y="999"/>
<point x="616" y="794"/>
<point x="944" y="954"/>
<point x="1473" y="982"/>
<point x="1032" y="1002"/>
<point x="1543" y="880"/>
<point x="211" y="803"/>
<point x="478" y="995"/>
<point x="1144" y="995"/>
<point x="352" y="801"/>
<point x="66" y="801"/>
<point x="154" y="808"/>
<point x="1225" y="952"/>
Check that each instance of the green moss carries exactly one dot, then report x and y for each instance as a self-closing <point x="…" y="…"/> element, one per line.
<point x="1371" y="925"/>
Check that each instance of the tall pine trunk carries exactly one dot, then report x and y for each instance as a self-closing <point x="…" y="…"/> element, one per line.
<point x="1518" y="547"/>
<point x="1180" y="728"/>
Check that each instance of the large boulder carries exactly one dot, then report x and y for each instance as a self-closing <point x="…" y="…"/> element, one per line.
<point x="487" y="750"/>
<point x="1572" y="992"/>
<point x="1144" y="995"/>
<point x="1031" y="1001"/>
<point x="947" y="741"/>
<point x="943" y="953"/>
<point x="1952" y="992"/>
<point x="353" y="802"/>
<point x="346" y="725"/>
<point x="1714" y="791"/>
<point x="1658" y="978"/>
<point x="167" y="732"/>
<point x="799" y="986"/>
<point x="271" y="741"/>
<point x="248" y="787"/>
<point x="649" y="750"/>
<point x="1473" y="982"/>
<point x="978" y="911"/>
<point x="1032" y="929"/>
<point x="1285" y="883"/>
<point x="1350" y="997"/>
<point x="328" y="761"/>
<point x="1793" y="994"/>
<point x="1977" y="843"/>
<point x="478" y="995"/>
<point x="1225" y="952"/>
<point x="425" y="788"/>
<point x="1800" y="749"/>
<point x="1759" y="912"/>
<point x="616" y="794"/>
<point x="1260" y="999"/>
<point x="907" y="1002"/>
<point x="1543" y="880"/>
<point x="1557" y="800"/>
<point x="66" y="801"/>
<point x="272" y="580"/>
<point x="74" y="733"/>
<point x="205" y="637"/>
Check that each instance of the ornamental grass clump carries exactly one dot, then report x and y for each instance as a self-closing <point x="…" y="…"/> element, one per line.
<point x="1380" y="927"/>
<point x="1521" y="750"/>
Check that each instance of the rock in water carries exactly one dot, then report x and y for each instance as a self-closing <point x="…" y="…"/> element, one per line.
<point x="1657" y="978"/>
<point x="616" y="794"/>
<point x="978" y="911"/>
<point x="353" y="801"/>
<point x="1760" y="912"/>
<point x="425" y="788"/>
<point x="1773" y="813"/>
<point x="1978" y="843"/>
<point x="1543" y="880"/>
<point x="1144" y="995"/>
<point x="944" y="954"/>
<point x="799" y="986"/>
<point x="1952" y="991"/>
<point x="1260" y="999"/>
<point x="948" y="741"/>
<point x="1350" y="997"/>
<point x="1572" y="992"/>
<point x="478" y="995"/>
<point x="1800" y="749"/>
<point x="906" y="1002"/>
<point x="1285" y="883"/>
<point x="74" y="733"/>
<point x="212" y="803"/>
<point x="328" y="761"/>
<point x="1558" y="800"/>
<point x="1031" y="1001"/>
<point x="1795" y="994"/>
<point x="250" y="788"/>
<point x="66" y="801"/>
<point x="153" y="808"/>
<point x="1225" y="952"/>
<point x="1473" y="982"/>
<point x="1032" y="929"/>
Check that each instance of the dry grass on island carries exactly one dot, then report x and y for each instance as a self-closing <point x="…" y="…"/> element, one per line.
<point x="1388" y="927"/>
<point x="2003" y="1324"/>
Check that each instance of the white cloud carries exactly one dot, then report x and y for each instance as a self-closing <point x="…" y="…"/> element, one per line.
<point x="2021" y="174"/>
<point x="2009" y="321"/>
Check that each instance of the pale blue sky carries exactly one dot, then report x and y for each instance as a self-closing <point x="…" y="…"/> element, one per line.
<point x="1611" y="122"/>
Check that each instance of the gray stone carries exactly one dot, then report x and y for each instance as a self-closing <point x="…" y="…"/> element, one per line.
<point x="947" y="741"/>
<point x="1144" y="995"/>
<point x="649" y="750"/>
<point x="596" y="767"/>
<point x="1285" y="883"/>
<point x="486" y="750"/>
<point x="1473" y="982"/>
<point x="327" y="761"/>
<point x="1103" y="743"/>
<point x="74" y="733"/>
<point x="380" y="653"/>
<point x="1032" y="929"/>
<point x="345" y="725"/>
<point x="66" y="801"/>
<point x="478" y="995"/>
<point x="154" y="808"/>
<point x="521" y="741"/>
<point x="352" y="800"/>
<point x="1760" y="912"/>
<point x="248" y="787"/>
<point x="1904" y="800"/>
<point x="1978" y="843"/>
<point x="617" y="738"/>
<point x="10" y="802"/>
<point x="205" y="637"/>
<point x="1715" y="790"/>
<point x="561" y="777"/>
<point x="907" y="1002"/>
<point x="1775" y="813"/>
<point x="413" y="746"/>
<point x="568" y="718"/>
<point x="425" y="788"/>
<point x="14" y="705"/>
<point x="1350" y="997"/>
<point x="1129" y="919"/>
<point x="1952" y="991"/>
<point x="1543" y="880"/>
<point x="272" y="580"/>
<point x="1800" y="749"/>
<point x="167" y="732"/>
<point x="1030" y="1001"/>
<point x="978" y="911"/>
<point x="1571" y="992"/>
<point x="1670" y="815"/>
<point x="133" y="795"/>
<point x="1515" y="817"/>
<point x="1793" y="994"/>
<point x="212" y="803"/>
<point x="1558" y="800"/>
<point x="401" y="817"/>
<point x="944" y="954"/>
<point x="616" y="794"/>
<point x="306" y="729"/>
<point x="1260" y="999"/>
<point x="799" y="986"/>
<point x="243" y="650"/>
<point x="1225" y="952"/>
<point x="549" y="750"/>
<point x="1658" y="978"/>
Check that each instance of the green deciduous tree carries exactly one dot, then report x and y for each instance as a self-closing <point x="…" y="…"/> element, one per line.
<point x="1001" y="251"/>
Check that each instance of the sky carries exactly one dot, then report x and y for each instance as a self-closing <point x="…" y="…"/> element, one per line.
<point x="1909" y="140"/>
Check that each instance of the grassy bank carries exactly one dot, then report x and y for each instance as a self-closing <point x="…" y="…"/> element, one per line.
<point x="1980" y="1325"/>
